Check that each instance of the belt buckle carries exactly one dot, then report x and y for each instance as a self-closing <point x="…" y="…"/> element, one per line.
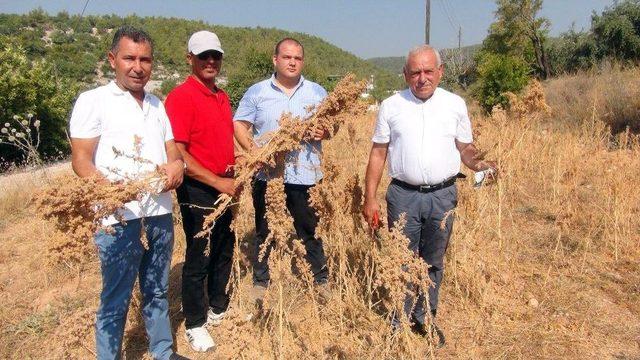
<point x="424" y="188"/>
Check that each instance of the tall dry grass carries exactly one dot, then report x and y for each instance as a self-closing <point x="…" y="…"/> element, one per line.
<point x="542" y="264"/>
<point x="610" y="94"/>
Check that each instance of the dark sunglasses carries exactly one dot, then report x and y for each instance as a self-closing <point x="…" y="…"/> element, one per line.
<point x="216" y="55"/>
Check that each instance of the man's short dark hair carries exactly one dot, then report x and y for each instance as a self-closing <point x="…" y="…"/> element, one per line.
<point x="276" y="51"/>
<point x="130" y="32"/>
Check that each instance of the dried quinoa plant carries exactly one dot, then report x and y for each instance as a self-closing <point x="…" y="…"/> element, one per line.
<point x="76" y="206"/>
<point x="339" y="106"/>
<point x="531" y="102"/>
<point x="399" y="273"/>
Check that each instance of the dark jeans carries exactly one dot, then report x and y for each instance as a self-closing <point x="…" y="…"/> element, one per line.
<point x="216" y="267"/>
<point x="305" y="221"/>
<point x="424" y="214"/>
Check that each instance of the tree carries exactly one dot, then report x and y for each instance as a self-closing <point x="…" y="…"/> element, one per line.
<point x="519" y="31"/>
<point x="617" y="30"/>
<point x="571" y="52"/>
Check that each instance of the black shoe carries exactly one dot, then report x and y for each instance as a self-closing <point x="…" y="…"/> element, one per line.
<point x="175" y="356"/>
<point x="423" y="330"/>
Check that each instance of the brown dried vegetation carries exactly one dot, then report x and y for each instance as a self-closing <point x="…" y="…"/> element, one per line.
<point x="542" y="264"/>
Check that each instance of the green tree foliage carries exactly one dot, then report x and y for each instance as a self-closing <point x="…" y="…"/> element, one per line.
<point x="54" y="57"/>
<point x="256" y="66"/>
<point x="614" y="36"/>
<point x="31" y="87"/>
<point x="519" y="31"/>
<point x="499" y="74"/>
<point x="617" y="31"/>
<point x="514" y="50"/>
<point x="571" y="52"/>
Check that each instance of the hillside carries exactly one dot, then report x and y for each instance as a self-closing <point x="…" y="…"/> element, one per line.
<point x="46" y="60"/>
<point x="394" y="64"/>
<point x="77" y="48"/>
<point x="389" y="63"/>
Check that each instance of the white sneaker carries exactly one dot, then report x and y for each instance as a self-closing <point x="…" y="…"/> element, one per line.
<point x="213" y="318"/>
<point x="199" y="339"/>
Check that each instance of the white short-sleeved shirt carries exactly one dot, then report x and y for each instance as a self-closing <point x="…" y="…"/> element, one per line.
<point x="116" y="118"/>
<point x="421" y="135"/>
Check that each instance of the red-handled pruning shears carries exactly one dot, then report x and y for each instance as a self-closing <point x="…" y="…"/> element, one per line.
<point x="375" y="222"/>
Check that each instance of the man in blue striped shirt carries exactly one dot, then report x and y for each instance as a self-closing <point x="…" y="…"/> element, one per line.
<point x="258" y="113"/>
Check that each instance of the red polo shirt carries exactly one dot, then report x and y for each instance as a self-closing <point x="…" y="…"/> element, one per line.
<point x="202" y="120"/>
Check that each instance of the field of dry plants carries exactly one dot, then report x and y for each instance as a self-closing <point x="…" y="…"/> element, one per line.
<point x="542" y="264"/>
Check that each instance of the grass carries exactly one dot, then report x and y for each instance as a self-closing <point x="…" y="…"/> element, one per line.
<point x="542" y="264"/>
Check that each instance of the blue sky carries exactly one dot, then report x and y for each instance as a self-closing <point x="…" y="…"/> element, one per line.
<point x="366" y="28"/>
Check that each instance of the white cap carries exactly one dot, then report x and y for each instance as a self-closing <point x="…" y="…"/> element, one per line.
<point x="202" y="41"/>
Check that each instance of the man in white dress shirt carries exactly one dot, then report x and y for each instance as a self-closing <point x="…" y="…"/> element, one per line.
<point x="425" y="133"/>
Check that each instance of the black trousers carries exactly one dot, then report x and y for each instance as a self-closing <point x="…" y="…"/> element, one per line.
<point x="198" y="267"/>
<point x="305" y="221"/>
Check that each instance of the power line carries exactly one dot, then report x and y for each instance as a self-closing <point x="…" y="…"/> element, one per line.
<point x="452" y="12"/>
<point x="454" y="27"/>
<point x="84" y="8"/>
<point x="448" y="16"/>
<point x="456" y="20"/>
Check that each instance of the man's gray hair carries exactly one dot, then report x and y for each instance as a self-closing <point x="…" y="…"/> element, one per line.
<point x="422" y="48"/>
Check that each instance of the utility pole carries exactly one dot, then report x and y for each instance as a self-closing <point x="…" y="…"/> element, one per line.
<point x="459" y="37"/>
<point x="427" y="23"/>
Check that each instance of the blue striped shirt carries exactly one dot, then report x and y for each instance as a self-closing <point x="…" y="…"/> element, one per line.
<point x="264" y="103"/>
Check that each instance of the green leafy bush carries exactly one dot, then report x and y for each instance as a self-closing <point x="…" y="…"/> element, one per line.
<point x="32" y="87"/>
<point x="498" y="74"/>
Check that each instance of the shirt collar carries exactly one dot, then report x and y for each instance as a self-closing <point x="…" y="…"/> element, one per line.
<point x="191" y="79"/>
<point x="411" y="97"/>
<point x="116" y="90"/>
<point x="273" y="83"/>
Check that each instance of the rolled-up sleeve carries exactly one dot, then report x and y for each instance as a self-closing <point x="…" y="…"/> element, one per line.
<point x="382" y="132"/>
<point x="168" y="132"/>
<point x="85" y="118"/>
<point x="463" y="130"/>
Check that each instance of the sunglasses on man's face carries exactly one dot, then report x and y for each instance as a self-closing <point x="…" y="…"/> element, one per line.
<point x="216" y="55"/>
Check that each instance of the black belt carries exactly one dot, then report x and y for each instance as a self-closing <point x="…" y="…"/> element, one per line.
<point x="428" y="188"/>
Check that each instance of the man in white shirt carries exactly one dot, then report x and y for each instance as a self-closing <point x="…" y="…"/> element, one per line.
<point x="122" y="116"/>
<point x="426" y="133"/>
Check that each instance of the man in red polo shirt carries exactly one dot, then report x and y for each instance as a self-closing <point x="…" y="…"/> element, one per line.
<point x="200" y="115"/>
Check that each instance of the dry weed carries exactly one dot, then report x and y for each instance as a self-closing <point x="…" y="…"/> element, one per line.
<point x="541" y="264"/>
<point x="339" y="106"/>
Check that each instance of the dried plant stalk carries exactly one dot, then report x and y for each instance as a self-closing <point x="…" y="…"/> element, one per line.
<point x="339" y="106"/>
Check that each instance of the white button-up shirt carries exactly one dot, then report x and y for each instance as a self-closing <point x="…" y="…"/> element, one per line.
<point x="421" y="135"/>
<point x="116" y="117"/>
